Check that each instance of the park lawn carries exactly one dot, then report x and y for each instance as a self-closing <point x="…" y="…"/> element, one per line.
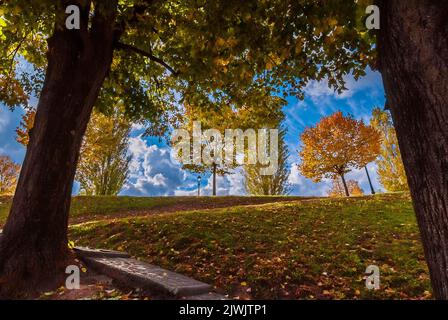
<point x="83" y="205"/>
<point x="307" y="249"/>
<point x="87" y="208"/>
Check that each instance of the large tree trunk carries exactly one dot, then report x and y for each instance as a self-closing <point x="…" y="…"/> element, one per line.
<point x="413" y="59"/>
<point x="33" y="250"/>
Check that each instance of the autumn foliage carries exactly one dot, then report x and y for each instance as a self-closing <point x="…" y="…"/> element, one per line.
<point x="337" y="188"/>
<point x="391" y="171"/>
<point x="9" y="173"/>
<point x="103" y="164"/>
<point x="336" y="145"/>
<point x="26" y="124"/>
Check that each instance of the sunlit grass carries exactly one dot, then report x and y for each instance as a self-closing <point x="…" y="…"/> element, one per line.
<point x="301" y="249"/>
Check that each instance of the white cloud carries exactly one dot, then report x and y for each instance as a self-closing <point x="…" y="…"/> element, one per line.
<point x="227" y="185"/>
<point x="305" y="187"/>
<point x="154" y="173"/>
<point x="4" y="118"/>
<point x="319" y="91"/>
<point x="151" y="171"/>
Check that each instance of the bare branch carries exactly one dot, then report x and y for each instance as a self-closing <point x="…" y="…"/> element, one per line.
<point x="124" y="46"/>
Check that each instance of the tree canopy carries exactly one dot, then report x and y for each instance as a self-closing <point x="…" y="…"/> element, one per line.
<point x="207" y="52"/>
<point x="390" y="165"/>
<point x="336" y="145"/>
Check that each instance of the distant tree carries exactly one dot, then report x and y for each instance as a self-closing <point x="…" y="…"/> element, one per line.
<point x="391" y="171"/>
<point x="104" y="163"/>
<point x="9" y="173"/>
<point x="337" y="188"/>
<point x="336" y="145"/>
<point x="26" y="124"/>
<point x="276" y="184"/>
<point x="264" y="113"/>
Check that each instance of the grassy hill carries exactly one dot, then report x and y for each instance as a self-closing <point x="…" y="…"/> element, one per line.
<point x="91" y="208"/>
<point x="266" y="247"/>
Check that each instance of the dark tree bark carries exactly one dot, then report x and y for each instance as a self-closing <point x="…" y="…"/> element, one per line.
<point x="347" y="193"/>
<point x="33" y="250"/>
<point x="413" y="59"/>
<point x="370" y="181"/>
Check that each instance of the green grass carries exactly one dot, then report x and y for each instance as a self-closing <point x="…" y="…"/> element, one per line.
<point x="301" y="249"/>
<point x="95" y="207"/>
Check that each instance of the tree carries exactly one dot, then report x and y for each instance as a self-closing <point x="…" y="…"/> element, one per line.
<point x="104" y="163"/>
<point x="144" y="55"/>
<point x="338" y="190"/>
<point x="390" y="165"/>
<point x="336" y="145"/>
<point x="266" y="113"/>
<point x="9" y="172"/>
<point x="153" y="52"/>
<point x="412" y="60"/>
<point x="276" y="184"/>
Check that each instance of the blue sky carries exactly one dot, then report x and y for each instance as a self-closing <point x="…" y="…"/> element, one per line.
<point x="152" y="173"/>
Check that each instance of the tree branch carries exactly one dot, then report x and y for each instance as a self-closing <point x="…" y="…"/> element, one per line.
<point x="124" y="46"/>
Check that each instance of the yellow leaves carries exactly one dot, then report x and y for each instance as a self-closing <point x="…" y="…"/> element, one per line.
<point x="9" y="172"/>
<point x="332" y="22"/>
<point x="274" y="60"/>
<point x="221" y="62"/>
<point x="71" y="244"/>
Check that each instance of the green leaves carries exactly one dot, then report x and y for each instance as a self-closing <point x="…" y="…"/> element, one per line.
<point x="220" y="50"/>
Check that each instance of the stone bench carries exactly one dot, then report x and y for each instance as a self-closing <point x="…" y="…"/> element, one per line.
<point x="138" y="274"/>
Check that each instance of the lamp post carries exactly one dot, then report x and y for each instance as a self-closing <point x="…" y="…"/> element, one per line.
<point x="199" y="186"/>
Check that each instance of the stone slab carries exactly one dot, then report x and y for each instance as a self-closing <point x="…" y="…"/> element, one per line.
<point x="207" y="296"/>
<point x="84" y="252"/>
<point x="142" y="275"/>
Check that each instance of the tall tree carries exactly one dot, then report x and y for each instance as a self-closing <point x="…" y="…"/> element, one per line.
<point x="265" y="113"/>
<point x="103" y="165"/>
<point x="104" y="160"/>
<point x="152" y="52"/>
<point x="336" y="145"/>
<point x="9" y="173"/>
<point x="412" y="51"/>
<point x="276" y="184"/>
<point x="390" y="165"/>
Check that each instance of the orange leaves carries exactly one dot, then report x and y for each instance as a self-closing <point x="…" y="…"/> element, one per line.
<point x="335" y="145"/>
<point x="26" y="124"/>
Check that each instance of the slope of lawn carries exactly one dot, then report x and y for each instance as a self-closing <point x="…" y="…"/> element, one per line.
<point x="88" y="208"/>
<point x="285" y="250"/>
